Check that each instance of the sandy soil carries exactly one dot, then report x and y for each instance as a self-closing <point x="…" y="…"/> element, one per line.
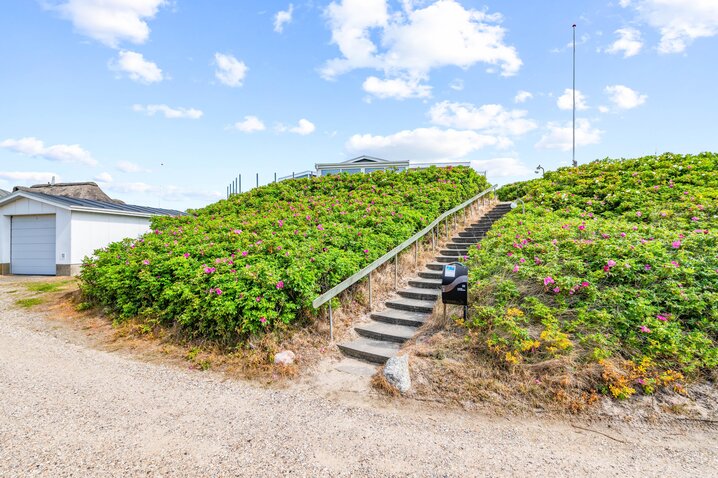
<point x="70" y="409"/>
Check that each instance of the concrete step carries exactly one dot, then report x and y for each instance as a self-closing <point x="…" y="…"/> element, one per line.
<point x="456" y="245"/>
<point x="449" y="259"/>
<point x="454" y="252"/>
<point x="422" y="283"/>
<point x="411" y="305"/>
<point x="429" y="274"/>
<point x="471" y="234"/>
<point x="377" y="351"/>
<point x="386" y="332"/>
<point x="419" y="293"/>
<point x="477" y="229"/>
<point x="401" y="317"/>
<point x="466" y="240"/>
<point x="435" y="266"/>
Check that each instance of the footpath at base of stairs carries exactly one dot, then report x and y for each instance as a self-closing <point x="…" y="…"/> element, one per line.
<point x="382" y="337"/>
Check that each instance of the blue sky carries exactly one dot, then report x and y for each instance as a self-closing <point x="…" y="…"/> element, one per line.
<point x="164" y="102"/>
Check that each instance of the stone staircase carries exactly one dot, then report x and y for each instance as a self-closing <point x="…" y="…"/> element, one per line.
<point x="382" y="337"/>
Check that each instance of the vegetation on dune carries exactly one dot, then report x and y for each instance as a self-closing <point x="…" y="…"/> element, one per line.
<point x="255" y="262"/>
<point x="614" y="266"/>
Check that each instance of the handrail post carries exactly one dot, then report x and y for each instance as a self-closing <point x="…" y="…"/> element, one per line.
<point x="416" y="253"/>
<point x="370" y="292"/>
<point x="331" y="322"/>
<point x="396" y="272"/>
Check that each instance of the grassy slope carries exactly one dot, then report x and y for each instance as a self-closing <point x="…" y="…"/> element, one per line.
<point x="256" y="261"/>
<point x="613" y="269"/>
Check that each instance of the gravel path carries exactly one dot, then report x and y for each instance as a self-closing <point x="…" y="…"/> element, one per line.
<point x="70" y="410"/>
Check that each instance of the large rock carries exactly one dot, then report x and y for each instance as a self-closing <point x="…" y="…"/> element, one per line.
<point x="285" y="357"/>
<point x="396" y="372"/>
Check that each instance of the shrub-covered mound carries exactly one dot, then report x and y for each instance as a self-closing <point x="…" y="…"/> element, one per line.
<point x="613" y="267"/>
<point x="257" y="260"/>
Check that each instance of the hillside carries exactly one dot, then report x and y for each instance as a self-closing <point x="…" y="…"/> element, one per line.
<point x="255" y="262"/>
<point x="608" y="282"/>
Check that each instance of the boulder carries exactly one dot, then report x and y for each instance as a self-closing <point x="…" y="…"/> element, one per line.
<point x="285" y="357"/>
<point x="396" y="372"/>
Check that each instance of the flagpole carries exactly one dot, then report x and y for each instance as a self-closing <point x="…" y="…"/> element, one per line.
<point x="574" y="97"/>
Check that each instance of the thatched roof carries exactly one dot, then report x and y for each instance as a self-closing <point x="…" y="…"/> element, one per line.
<point x="73" y="190"/>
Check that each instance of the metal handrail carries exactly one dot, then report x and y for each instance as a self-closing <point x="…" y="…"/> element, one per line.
<point x="351" y="280"/>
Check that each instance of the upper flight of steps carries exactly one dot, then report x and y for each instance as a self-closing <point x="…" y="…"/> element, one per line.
<point x="382" y="337"/>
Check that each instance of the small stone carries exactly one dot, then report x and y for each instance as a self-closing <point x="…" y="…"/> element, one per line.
<point x="285" y="357"/>
<point x="396" y="372"/>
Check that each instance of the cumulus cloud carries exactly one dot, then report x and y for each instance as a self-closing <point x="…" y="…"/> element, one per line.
<point x="103" y="178"/>
<point x="679" y="22"/>
<point x="250" y="124"/>
<point x="457" y="84"/>
<point x="501" y="167"/>
<point x="304" y="127"/>
<point x="29" y="176"/>
<point x="66" y="153"/>
<point x="423" y="144"/>
<point x="283" y="17"/>
<point x="396" y="88"/>
<point x="624" y="97"/>
<point x="230" y="71"/>
<point x="111" y="22"/>
<point x="629" y="42"/>
<point x="168" y="112"/>
<point x="559" y="136"/>
<point x="493" y="119"/>
<point x="129" y="167"/>
<point x="523" y="96"/>
<point x="565" y="101"/>
<point x="136" y="67"/>
<point x="410" y="42"/>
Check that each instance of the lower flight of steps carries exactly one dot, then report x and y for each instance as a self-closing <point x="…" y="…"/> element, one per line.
<point x="383" y="336"/>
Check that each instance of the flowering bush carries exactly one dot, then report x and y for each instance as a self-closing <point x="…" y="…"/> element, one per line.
<point x="257" y="260"/>
<point x="613" y="262"/>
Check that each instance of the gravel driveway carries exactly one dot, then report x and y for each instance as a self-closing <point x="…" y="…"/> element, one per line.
<point x="70" y="410"/>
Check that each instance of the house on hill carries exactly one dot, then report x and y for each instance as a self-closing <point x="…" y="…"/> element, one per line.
<point x="48" y="229"/>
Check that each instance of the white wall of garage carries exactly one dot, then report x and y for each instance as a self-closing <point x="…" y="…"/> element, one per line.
<point x="91" y="231"/>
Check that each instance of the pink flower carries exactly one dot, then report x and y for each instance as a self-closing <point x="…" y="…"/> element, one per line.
<point x="146" y="262"/>
<point x="554" y="242"/>
<point x="647" y="267"/>
<point x="516" y="268"/>
<point x="280" y="284"/>
<point x="645" y="329"/>
<point x="675" y="263"/>
<point x="209" y="270"/>
<point x="676" y="244"/>
<point x="611" y="263"/>
<point x="237" y="231"/>
<point x="280" y="223"/>
<point x="366" y="251"/>
<point x="320" y="227"/>
<point x="662" y="318"/>
<point x="218" y="291"/>
<point x="623" y="234"/>
<point x="556" y="290"/>
<point x="537" y="260"/>
<point x="581" y="227"/>
<point x="244" y="253"/>
<point x="522" y="260"/>
<point x="510" y="254"/>
<point x="263" y="320"/>
<point x="186" y="255"/>
<point x="548" y="280"/>
<point x="585" y="284"/>
<point x="639" y="214"/>
<point x="258" y="299"/>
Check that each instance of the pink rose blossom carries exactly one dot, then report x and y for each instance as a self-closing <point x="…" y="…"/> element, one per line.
<point x="280" y="284"/>
<point x="645" y="329"/>
<point x="516" y="268"/>
<point x="662" y="318"/>
<point x="548" y="280"/>
<point x="676" y="244"/>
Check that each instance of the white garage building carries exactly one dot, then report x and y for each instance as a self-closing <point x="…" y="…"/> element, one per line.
<point x="44" y="234"/>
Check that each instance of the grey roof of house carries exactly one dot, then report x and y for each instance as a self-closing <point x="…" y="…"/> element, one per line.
<point x="89" y="203"/>
<point x="4" y="193"/>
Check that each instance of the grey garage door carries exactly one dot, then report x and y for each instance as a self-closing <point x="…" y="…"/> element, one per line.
<point x="33" y="245"/>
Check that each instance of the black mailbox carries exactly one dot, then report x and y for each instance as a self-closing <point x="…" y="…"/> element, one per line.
<point x="454" y="284"/>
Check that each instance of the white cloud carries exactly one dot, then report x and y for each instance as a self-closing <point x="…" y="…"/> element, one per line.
<point x="136" y="67"/>
<point x="565" y="101"/>
<point x="111" y="21"/>
<point x="523" y="96"/>
<point x="423" y="144"/>
<point x="29" y="176"/>
<point x="604" y="109"/>
<point x="103" y="178"/>
<point x="457" y="84"/>
<point x="490" y="118"/>
<point x="629" y="42"/>
<point x="129" y="167"/>
<point x="680" y="22"/>
<point x="559" y="136"/>
<point x="168" y="112"/>
<point x="283" y="17"/>
<point x="304" y="127"/>
<point x="169" y="192"/>
<point x="501" y="167"/>
<point x="230" y="71"/>
<point x="396" y="88"/>
<point x="624" y="97"/>
<point x="250" y="124"/>
<point x="411" y="42"/>
<point x="66" y="153"/>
